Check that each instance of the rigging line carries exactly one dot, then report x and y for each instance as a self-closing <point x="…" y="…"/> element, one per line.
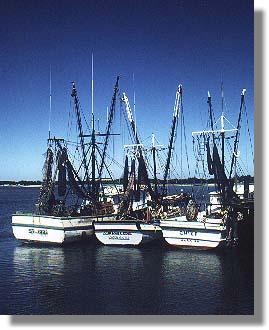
<point x="173" y="169"/>
<point x="72" y="115"/>
<point x="114" y="161"/>
<point x="204" y="172"/>
<point x="81" y="161"/>
<point x="185" y="139"/>
<point x="131" y="122"/>
<point x="87" y="125"/>
<point x="197" y="172"/>
<point x="55" y="175"/>
<point x="75" y="156"/>
<point x="240" y="169"/>
<point x="83" y="115"/>
<point x="109" y="127"/>
<point x="121" y="127"/>
<point x="68" y="192"/>
<point x="90" y="158"/>
<point x="79" y="124"/>
<point x="109" y="172"/>
<point x="243" y="166"/>
<point x="98" y="168"/>
<point x="73" y="143"/>
<point x="147" y="163"/>
<point x="68" y="133"/>
<point x="160" y="159"/>
<point x="222" y="95"/>
<point x="246" y="149"/>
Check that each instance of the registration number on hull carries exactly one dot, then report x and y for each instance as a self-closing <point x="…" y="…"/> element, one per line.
<point x="117" y="235"/>
<point x="187" y="232"/>
<point x="38" y="231"/>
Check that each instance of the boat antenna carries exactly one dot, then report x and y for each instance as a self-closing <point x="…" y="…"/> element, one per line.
<point x="92" y="96"/>
<point x="93" y="143"/>
<point x="50" y="105"/>
<point x="154" y="164"/>
<point x="134" y="103"/>
<point x="222" y="98"/>
<point x="222" y="127"/>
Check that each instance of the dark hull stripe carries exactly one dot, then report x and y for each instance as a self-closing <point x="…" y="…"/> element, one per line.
<point x="197" y="247"/>
<point x="69" y="241"/>
<point x="129" y="231"/>
<point x="126" y="222"/>
<point x="198" y="230"/>
<point x="195" y="239"/>
<point x="188" y="247"/>
<point x="54" y="228"/>
<point x="96" y="218"/>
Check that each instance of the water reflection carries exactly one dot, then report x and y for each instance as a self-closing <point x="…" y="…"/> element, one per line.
<point x="38" y="274"/>
<point x="128" y="279"/>
<point x="206" y="283"/>
<point x="95" y="279"/>
<point x="192" y="281"/>
<point x="38" y="261"/>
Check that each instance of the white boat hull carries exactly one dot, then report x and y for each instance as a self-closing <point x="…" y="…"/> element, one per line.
<point x="193" y="234"/>
<point x="50" y="229"/>
<point x="126" y="232"/>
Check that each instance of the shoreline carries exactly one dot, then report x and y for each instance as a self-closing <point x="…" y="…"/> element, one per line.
<point x="39" y="185"/>
<point x="20" y="185"/>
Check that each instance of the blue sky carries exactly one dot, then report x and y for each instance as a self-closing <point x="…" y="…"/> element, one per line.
<point x="196" y="43"/>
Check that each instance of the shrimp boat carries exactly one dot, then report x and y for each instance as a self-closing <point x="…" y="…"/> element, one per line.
<point x="134" y="225"/>
<point x="71" y="197"/>
<point x="192" y="228"/>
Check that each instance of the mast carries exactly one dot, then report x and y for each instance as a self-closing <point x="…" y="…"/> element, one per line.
<point x="210" y="111"/>
<point x="81" y="135"/>
<point x="177" y="107"/>
<point x="222" y="140"/>
<point x="93" y="143"/>
<point x="222" y="134"/>
<point x="92" y="96"/>
<point x="154" y="165"/>
<point x="93" y="158"/>
<point x="155" y="148"/>
<point x="216" y="165"/>
<point x="130" y="118"/>
<point x="237" y="132"/>
<point x="137" y="144"/>
<point x="110" y="117"/>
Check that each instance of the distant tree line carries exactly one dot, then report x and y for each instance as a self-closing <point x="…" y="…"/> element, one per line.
<point x="20" y="183"/>
<point x="192" y="180"/>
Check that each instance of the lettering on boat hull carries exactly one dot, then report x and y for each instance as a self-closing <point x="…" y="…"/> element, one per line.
<point x="126" y="233"/>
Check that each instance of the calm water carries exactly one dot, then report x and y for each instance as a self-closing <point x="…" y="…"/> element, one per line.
<point x="94" y="279"/>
